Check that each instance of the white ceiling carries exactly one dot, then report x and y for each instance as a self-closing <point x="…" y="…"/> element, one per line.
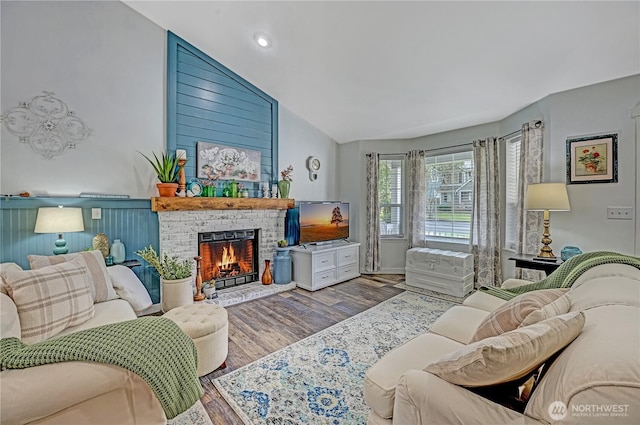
<point x="389" y="69"/>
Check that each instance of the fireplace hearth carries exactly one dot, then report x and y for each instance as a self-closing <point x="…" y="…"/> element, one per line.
<point x="229" y="257"/>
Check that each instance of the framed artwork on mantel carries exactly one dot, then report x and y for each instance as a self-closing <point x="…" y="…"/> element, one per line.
<point x="592" y="159"/>
<point x="225" y="162"/>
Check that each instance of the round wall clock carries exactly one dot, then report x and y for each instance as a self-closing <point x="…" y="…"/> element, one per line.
<point x="313" y="164"/>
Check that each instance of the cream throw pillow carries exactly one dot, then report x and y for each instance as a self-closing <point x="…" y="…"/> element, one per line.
<point x="510" y="356"/>
<point x="101" y="285"/>
<point x="511" y="314"/>
<point x="4" y="269"/>
<point x="129" y="287"/>
<point x="51" y="299"/>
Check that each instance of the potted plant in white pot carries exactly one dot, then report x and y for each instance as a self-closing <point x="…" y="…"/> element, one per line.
<point x="176" y="277"/>
<point x="166" y="168"/>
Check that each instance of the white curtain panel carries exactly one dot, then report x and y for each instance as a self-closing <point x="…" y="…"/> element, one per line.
<point x="529" y="228"/>
<point x="416" y="198"/>
<point x="485" y="217"/>
<point x="372" y="245"/>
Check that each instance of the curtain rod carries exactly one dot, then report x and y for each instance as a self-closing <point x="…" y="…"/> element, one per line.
<point x="513" y="133"/>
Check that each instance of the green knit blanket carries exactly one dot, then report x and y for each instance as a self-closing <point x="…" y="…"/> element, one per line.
<point x="566" y="275"/>
<point x="152" y="347"/>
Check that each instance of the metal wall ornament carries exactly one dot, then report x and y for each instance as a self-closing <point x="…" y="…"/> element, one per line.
<point x="46" y="124"/>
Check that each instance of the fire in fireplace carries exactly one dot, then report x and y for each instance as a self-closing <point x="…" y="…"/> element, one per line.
<point x="230" y="258"/>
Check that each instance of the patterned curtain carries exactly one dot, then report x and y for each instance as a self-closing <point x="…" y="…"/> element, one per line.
<point x="416" y="198"/>
<point x="372" y="255"/>
<point x="529" y="222"/>
<point x="485" y="216"/>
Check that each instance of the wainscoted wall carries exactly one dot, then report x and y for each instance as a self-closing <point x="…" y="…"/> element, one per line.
<point x="130" y="220"/>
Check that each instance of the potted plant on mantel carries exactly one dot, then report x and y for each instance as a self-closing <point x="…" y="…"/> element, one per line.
<point x="175" y="276"/>
<point x="166" y="168"/>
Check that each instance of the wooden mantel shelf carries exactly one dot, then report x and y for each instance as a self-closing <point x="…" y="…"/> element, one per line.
<point x="196" y="203"/>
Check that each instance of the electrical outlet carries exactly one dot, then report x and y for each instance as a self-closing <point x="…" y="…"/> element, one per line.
<point x="620" y="213"/>
<point x="96" y="213"/>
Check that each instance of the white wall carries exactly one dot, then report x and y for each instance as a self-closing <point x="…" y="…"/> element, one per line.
<point x="298" y="140"/>
<point x="108" y="64"/>
<point x="600" y="108"/>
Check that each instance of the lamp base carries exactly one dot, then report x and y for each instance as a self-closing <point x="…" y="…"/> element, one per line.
<point x="61" y="246"/>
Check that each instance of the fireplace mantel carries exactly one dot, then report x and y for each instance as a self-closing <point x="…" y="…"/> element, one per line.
<point x="200" y="203"/>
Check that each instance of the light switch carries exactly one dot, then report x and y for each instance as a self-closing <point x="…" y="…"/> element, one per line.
<point x="96" y="213"/>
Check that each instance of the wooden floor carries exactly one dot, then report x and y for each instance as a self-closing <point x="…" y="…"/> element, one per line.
<point x="260" y="327"/>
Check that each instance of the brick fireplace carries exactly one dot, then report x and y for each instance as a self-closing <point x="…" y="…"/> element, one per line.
<point x="183" y="219"/>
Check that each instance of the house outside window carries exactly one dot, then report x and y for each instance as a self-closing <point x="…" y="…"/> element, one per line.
<point x="391" y="196"/>
<point x="449" y="196"/>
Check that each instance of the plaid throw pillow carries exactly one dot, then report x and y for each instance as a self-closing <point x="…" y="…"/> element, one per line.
<point x="101" y="285"/>
<point x="511" y="314"/>
<point x="51" y="299"/>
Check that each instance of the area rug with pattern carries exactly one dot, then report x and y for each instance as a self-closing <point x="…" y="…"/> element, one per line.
<point x="195" y="415"/>
<point x="319" y="380"/>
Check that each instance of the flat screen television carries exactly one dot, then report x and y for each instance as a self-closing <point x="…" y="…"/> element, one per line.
<point x="323" y="221"/>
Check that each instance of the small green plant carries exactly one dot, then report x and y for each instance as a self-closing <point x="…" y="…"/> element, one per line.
<point x="166" y="167"/>
<point x="169" y="268"/>
<point x="282" y="243"/>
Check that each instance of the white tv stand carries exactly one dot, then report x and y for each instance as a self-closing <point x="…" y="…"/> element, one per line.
<point x="318" y="266"/>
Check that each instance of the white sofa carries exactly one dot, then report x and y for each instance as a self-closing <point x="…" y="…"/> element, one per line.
<point x="79" y="392"/>
<point x="597" y="376"/>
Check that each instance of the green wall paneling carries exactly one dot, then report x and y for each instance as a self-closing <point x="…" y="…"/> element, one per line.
<point x="130" y="220"/>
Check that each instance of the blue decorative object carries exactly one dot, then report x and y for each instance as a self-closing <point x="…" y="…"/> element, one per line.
<point x="568" y="252"/>
<point x="292" y="226"/>
<point x="282" y="266"/>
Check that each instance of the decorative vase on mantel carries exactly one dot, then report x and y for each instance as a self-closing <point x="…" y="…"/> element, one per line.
<point x="167" y="189"/>
<point x="283" y="188"/>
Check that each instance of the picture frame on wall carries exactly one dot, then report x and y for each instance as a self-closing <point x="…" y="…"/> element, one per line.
<point x="222" y="162"/>
<point x="592" y="159"/>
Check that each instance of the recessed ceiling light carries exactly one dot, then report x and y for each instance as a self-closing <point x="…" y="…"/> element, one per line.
<point x="262" y="39"/>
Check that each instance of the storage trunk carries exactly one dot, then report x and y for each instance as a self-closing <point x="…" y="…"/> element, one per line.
<point x="447" y="272"/>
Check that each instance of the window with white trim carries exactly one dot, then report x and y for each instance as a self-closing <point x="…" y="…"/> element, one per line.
<point x="512" y="175"/>
<point x="391" y="196"/>
<point x="449" y="195"/>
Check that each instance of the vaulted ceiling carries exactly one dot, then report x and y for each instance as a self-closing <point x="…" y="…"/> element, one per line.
<point x="361" y="70"/>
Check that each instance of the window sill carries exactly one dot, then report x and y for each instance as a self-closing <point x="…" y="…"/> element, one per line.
<point x="449" y="244"/>
<point x="448" y="241"/>
<point x="393" y="238"/>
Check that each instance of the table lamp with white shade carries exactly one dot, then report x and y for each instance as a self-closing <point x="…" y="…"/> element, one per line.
<point x="59" y="220"/>
<point x="546" y="197"/>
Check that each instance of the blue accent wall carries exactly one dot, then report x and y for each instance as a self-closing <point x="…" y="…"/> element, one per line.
<point x="130" y="220"/>
<point x="207" y="102"/>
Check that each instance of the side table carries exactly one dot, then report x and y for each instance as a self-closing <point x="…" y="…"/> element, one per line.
<point x="127" y="263"/>
<point x="527" y="261"/>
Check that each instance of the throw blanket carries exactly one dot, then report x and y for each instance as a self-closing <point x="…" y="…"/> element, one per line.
<point x="152" y="347"/>
<point x="566" y="275"/>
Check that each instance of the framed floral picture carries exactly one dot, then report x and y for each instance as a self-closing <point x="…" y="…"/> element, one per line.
<point x="592" y="159"/>
<point x="225" y="162"/>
